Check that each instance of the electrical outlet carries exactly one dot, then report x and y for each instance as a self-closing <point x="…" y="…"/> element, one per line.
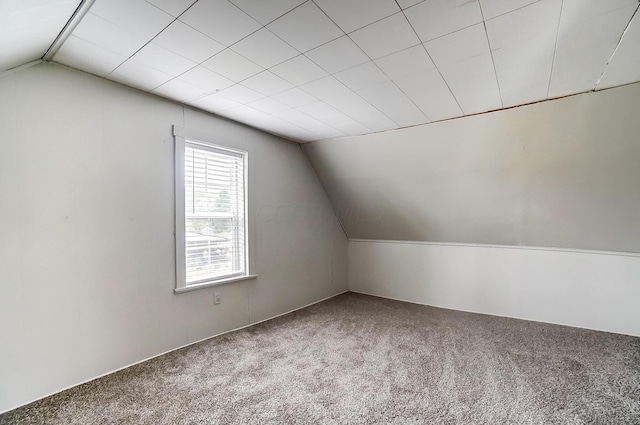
<point x="216" y="297"/>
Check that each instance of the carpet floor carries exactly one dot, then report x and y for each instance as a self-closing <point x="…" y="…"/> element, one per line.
<point x="357" y="359"/>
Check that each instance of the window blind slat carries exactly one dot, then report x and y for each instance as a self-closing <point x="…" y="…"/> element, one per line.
<point x="214" y="213"/>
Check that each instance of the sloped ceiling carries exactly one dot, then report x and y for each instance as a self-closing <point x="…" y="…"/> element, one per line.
<point x="561" y="174"/>
<point x="29" y="27"/>
<point x="319" y="69"/>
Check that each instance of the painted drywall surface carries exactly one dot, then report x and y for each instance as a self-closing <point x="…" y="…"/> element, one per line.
<point x="87" y="249"/>
<point x="563" y="173"/>
<point x="585" y="289"/>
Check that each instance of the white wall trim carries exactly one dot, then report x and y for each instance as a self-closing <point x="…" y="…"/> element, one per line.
<point x="175" y="349"/>
<point x="479" y="312"/>
<point x="582" y="289"/>
<point x="71" y="24"/>
<point x="474" y="245"/>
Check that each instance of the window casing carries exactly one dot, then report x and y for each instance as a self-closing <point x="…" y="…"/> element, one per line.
<point x="212" y="245"/>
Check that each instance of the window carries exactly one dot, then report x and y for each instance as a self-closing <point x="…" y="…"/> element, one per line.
<point x="211" y="214"/>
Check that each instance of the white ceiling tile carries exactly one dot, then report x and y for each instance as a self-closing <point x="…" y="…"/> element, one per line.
<point x="266" y="11"/>
<point x="305" y="27"/>
<point x="326" y="88"/>
<point x="220" y="20"/>
<point x="269" y="105"/>
<point x="588" y="35"/>
<point x="287" y="130"/>
<point x="325" y="113"/>
<point x="465" y="62"/>
<point x="408" y="3"/>
<point x="213" y="103"/>
<point x="180" y="38"/>
<point x="284" y="129"/>
<point x="233" y="66"/>
<point x="172" y="7"/>
<point x="241" y="94"/>
<point x="139" y="75"/>
<point x="304" y="121"/>
<point x="584" y="11"/>
<point x="387" y="36"/>
<point x="526" y="68"/>
<point x="624" y="67"/>
<point x="538" y="19"/>
<point x="361" y="76"/>
<point x="163" y="60"/>
<point x="127" y="13"/>
<point x="391" y="101"/>
<point x="265" y="49"/>
<point x="380" y="124"/>
<point x="295" y="97"/>
<point x="431" y="94"/>
<point x="354" y="14"/>
<point x="34" y="18"/>
<point x="107" y="35"/>
<point x="473" y="83"/>
<point x="301" y="136"/>
<point x="327" y="132"/>
<point x="352" y="128"/>
<point x="299" y="70"/>
<point x="179" y="90"/>
<point x="493" y="8"/>
<point x="247" y="115"/>
<point x="337" y="55"/>
<point x="435" y="18"/>
<point x="523" y="93"/>
<point x="28" y="28"/>
<point x="414" y="60"/>
<point x="267" y="83"/>
<point x="523" y="44"/>
<point x="458" y="46"/>
<point x="206" y="79"/>
<point x="361" y="111"/>
<point x="81" y="54"/>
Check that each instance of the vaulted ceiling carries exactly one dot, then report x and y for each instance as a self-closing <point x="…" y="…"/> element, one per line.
<point x="319" y="69"/>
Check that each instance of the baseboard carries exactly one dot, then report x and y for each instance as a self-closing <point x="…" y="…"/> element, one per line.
<point x="175" y="349"/>
<point x="489" y="314"/>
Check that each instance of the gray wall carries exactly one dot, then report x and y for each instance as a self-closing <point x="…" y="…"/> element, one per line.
<point x="563" y="173"/>
<point x="86" y="223"/>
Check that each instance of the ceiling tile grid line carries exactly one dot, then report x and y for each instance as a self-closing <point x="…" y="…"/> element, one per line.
<point x="527" y="3"/>
<point x="202" y="62"/>
<point x="209" y="93"/>
<point x="354" y="65"/>
<point x="196" y="29"/>
<point x="239" y="41"/>
<point x="627" y="27"/>
<point x="431" y="59"/>
<point x="267" y="68"/>
<point x="317" y="69"/>
<point x="349" y="35"/>
<point x="493" y="61"/>
<point x="555" y="49"/>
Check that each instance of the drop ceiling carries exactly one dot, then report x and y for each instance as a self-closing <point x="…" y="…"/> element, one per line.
<point x="318" y="69"/>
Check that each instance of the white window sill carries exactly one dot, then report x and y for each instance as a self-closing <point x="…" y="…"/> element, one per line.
<point x="214" y="283"/>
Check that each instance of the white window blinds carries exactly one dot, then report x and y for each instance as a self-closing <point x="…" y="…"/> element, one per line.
<point x="215" y="222"/>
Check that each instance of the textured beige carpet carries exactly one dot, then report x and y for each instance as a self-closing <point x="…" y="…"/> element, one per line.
<point x="362" y="360"/>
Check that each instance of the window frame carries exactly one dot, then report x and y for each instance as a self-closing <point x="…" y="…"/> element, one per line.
<point x="181" y="139"/>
